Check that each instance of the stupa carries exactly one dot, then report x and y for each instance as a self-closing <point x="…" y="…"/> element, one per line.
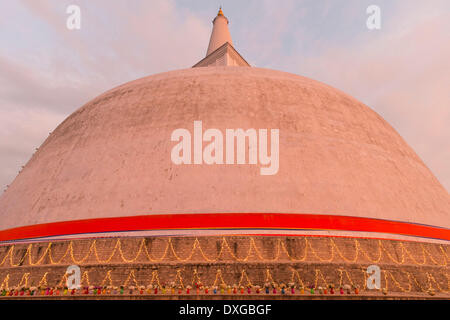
<point x="103" y="193"/>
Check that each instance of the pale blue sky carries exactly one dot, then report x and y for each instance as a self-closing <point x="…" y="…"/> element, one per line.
<point x="401" y="71"/>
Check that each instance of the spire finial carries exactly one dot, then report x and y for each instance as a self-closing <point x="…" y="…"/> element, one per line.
<point x="220" y="13"/>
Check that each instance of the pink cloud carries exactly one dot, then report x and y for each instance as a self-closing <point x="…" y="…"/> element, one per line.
<point x="403" y="73"/>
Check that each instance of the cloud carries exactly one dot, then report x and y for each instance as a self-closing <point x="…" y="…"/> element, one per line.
<point x="51" y="71"/>
<point x="403" y="73"/>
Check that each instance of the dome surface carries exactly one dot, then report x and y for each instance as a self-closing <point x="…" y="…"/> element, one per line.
<point x="112" y="157"/>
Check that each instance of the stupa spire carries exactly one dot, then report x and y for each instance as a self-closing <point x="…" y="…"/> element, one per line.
<point x="220" y="49"/>
<point x="220" y="33"/>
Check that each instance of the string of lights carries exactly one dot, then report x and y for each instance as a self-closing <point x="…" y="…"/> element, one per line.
<point x="391" y="282"/>
<point x="254" y="253"/>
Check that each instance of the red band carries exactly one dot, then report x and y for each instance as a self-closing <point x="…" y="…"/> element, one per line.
<point x="274" y="221"/>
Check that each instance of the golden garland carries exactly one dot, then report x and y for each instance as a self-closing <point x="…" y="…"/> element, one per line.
<point x="296" y="274"/>
<point x="179" y="278"/>
<point x="269" y="277"/>
<point x="219" y="276"/>
<point x="253" y="251"/>
<point x="316" y="280"/>
<point x="195" y="278"/>
<point x="131" y="275"/>
<point x="107" y="277"/>
<point x="341" y="275"/>
<point x="244" y="274"/>
<point x="319" y="279"/>
<point x="43" y="282"/>
<point x="5" y="283"/>
<point x="25" y="277"/>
